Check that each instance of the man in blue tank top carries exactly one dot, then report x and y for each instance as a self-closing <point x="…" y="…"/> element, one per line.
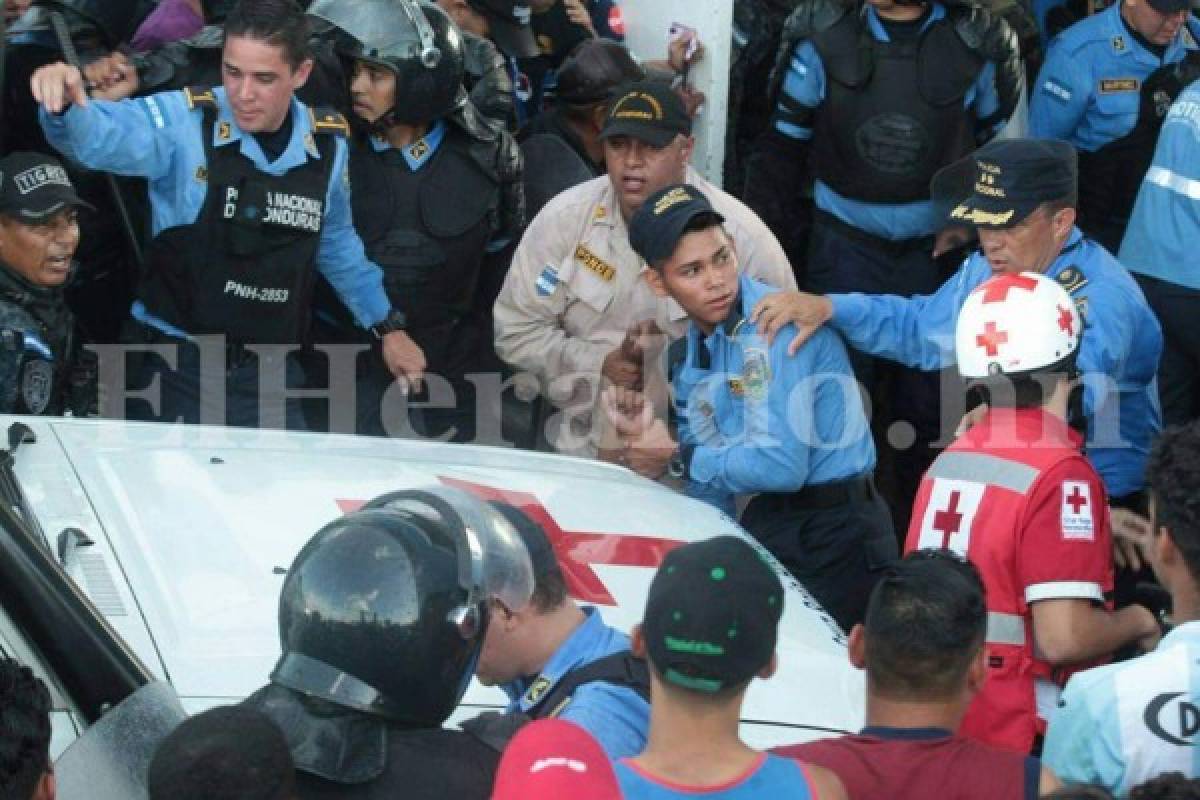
<point x="712" y="616"/>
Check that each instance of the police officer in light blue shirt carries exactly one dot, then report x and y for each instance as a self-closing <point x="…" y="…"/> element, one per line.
<point x="1123" y="724"/>
<point x="752" y="420"/>
<point x="876" y="97"/>
<point x="553" y="658"/>
<point x="249" y="195"/>
<point x="1030" y="228"/>
<point x="1105" y="85"/>
<point x="1160" y="250"/>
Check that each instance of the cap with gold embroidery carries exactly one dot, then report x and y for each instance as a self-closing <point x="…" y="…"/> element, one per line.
<point x="659" y="224"/>
<point x="1001" y="183"/>
<point x="648" y="111"/>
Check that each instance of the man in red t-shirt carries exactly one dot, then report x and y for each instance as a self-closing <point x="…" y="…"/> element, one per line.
<point x="1016" y="496"/>
<point x="922" y="648"/>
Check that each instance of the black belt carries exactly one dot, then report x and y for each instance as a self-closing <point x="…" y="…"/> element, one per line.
<point x="859" y="489"/>
<point x="893" y="247"/>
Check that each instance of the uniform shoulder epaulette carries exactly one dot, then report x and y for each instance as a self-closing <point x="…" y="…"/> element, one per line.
<point x="200" y="97"/>
<point x="326" y="120"/>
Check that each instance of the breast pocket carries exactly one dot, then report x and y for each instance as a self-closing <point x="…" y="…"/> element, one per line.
<point x="1116" y="105"/>
<point x="586" y="286"/>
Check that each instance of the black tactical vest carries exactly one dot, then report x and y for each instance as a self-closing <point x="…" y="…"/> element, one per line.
<point x="428" y="230"/>
<point x="893" y="112"/>
<point x="1110" y="177"/>
<point x="36" y="346"/>
<point x="246" y="266"/>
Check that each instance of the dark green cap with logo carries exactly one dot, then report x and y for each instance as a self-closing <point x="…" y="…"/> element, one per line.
<point x="712" y="615"/>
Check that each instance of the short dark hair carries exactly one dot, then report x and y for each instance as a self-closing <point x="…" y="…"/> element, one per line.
<point x="24" y="730"/>
<point x="279" y="23"/>
<point x="1168" y="786"/>
<point x="926" y="621"/>
<point x="225" y="753"/>
<point x="701" y="222"/>
<point x="1173" y="475"/>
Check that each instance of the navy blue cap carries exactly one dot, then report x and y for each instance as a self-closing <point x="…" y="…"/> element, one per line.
<point x="659" y="224"/>
<point x="1002" y="182"/>
<point x="34" y="187"/>
<point x="648" y="111"/>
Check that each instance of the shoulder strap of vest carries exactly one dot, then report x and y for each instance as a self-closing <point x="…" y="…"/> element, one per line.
<point x="622" y="669"/>
<point x="327" y="120"/>
<point x="200" y="97"/>
<point x="847" y="50"/>
<point x="808" y="19"/>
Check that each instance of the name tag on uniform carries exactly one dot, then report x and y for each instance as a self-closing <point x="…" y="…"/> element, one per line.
<point x="1119" y="85"/>
<point x="595" y="265"/>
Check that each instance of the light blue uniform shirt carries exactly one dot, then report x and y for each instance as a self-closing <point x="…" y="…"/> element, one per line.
<point x="1164" y="230"/>
<point x="805" y="85"/>
<point x="1118" y="356"/>
<point x="1089" y="89"/>
<point x="1123" y="724"/>
<point x="758" y="420"/>
<point x="161" y="139"/>
<point x="616" y="716"/>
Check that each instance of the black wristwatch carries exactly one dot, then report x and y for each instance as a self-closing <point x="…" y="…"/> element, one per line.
<point x="394" y="321"/>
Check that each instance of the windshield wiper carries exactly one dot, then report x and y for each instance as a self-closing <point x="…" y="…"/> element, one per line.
<point x="10" y="485"/>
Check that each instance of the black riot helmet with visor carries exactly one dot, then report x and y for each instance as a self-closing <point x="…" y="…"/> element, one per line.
<point x="416" y="41"/>
<point x="384" y="611"/>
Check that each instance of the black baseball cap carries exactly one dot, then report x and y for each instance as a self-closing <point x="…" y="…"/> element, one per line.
<point x="649" y="111"/>
<point x="1002" y="182"/>
<point x="659" y="224"/>
<point x="1170" y="6"/>
<point x="594" y="70"/>
<point x="511" y="25"/>
<point x="35" y="187"/>
<point x="712" y="615"/>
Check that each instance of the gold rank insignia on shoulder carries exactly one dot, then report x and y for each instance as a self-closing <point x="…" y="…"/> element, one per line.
<point x="418" y="149"/>
<point x="1118" y="44"/>
<point x="202" y="174"/>
<point x="224" y="131"/>
<point x="736" y="387"/>
<point x="596" y="265"/>
<point x="538" y="689"/>
<point x="1119" y="85"/>
<point x="327" y="121"/>
<point x="1072" y="279"/>
<point x="600" y="214"/>
<point x="199" y="98"/>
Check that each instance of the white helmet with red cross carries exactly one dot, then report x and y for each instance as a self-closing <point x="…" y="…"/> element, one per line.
<point x="1016" y="324"/>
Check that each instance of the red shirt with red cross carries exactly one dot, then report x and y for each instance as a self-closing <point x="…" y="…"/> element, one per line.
<point x="1016" y="496"/>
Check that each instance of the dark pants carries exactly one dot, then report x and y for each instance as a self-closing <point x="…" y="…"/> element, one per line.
<point x="1179" y="370"/>
<point x="837" y="552"/>
<point x="217" y="384"/>
<point x="381" y="410"/>
<point x="906" y="418"/>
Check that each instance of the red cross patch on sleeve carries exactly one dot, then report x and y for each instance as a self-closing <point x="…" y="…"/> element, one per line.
<point x="1078" y="521"/>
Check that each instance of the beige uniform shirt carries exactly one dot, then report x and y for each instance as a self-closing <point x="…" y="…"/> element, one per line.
<point x="575" y="288"/>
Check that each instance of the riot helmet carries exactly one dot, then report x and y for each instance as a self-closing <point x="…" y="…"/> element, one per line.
<point x="385" y="609"/>
<point x="416" y="41"/>
<point x="115" y="20"/>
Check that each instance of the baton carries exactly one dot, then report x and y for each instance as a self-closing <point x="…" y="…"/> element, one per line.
<point x="63" y="33"/>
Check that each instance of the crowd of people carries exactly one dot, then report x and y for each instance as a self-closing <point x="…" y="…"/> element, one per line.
<point x="923" y="346"/>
